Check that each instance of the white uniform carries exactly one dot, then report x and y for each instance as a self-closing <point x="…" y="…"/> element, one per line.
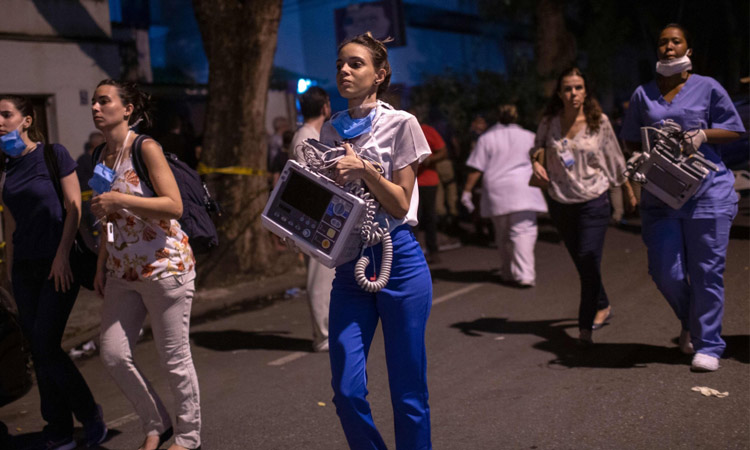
<point x="502" y="154"/>
<point x="319" y="277"/>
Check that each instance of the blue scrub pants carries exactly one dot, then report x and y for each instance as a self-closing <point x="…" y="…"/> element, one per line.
<point x="686" y="259"/>
<point x="403" y="307"/>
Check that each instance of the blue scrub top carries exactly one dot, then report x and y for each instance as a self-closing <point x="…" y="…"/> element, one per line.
<point x="701" y="104"/>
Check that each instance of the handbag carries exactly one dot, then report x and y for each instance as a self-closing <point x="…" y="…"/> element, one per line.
<point x="82" y="260"/>
<point x="540" y="156"/>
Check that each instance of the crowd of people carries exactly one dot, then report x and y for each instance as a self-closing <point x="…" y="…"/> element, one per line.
<point x="146" y="265"/>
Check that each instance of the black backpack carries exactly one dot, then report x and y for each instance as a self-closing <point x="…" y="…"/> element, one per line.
<point x="197" y="204"/>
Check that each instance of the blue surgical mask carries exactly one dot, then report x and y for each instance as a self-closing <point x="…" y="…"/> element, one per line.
<point x="349" y="128"/>
<point x="102" y="179"/>
<point x="12" y="143"/>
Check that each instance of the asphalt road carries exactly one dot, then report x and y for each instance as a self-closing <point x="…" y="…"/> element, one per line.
<point x="504" y="370"/>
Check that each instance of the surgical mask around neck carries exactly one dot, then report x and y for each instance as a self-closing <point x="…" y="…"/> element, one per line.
<point x="103" y="177"/>
<point x="349" y="128"/>
<point x="12" y="143"/>
<point x="668" y="67"/>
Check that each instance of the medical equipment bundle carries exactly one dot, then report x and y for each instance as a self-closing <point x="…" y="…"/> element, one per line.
<point x="667" y="169"/>
<point x="331" y="223"/>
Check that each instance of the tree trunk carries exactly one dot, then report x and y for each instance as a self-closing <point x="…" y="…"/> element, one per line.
<point x="555" y="45"/>
<point x="239" y="38"/>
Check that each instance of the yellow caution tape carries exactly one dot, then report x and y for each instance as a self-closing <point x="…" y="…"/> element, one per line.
<point x="202" y="170"/>
<point x="231" y="170"/>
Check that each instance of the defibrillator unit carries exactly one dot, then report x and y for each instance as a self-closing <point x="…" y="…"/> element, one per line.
<point x="321" y="218"/>
<point x="664" y="168"/>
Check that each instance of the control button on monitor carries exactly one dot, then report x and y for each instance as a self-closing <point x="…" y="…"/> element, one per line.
<point x="331" y="233"/>
<point x="336" y="223"/>
<point x="338" y="209"/>
<point x="326" y="243"/>
<point x="306" y="233"/>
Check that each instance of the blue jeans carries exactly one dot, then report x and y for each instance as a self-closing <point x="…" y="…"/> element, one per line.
<point x="403" y="307"/>
<point x="686" y="259"/>
<point x="582" y="227"/>
<point x="44" y="313"/>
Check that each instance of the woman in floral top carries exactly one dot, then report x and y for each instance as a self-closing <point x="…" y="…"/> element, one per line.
<point x="583" y="158"/>
<point x="146" y="266"/>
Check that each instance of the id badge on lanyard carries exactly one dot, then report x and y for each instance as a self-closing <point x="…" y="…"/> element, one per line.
<point x="566" y="155"/>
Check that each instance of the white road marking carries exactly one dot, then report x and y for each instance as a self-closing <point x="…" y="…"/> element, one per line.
<point x="122" y="420"/>
<point x="456" y="293"/>
<point x="288" y="358"/>
<point x="297" y="355"/>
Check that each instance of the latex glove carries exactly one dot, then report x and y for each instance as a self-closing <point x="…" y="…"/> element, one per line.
<point x="466" y="201"/>
<point x="693" y="140"/>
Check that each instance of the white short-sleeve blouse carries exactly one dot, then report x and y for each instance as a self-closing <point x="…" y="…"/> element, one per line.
<point x="395" y="141"/>
<point x="599" y="162"/>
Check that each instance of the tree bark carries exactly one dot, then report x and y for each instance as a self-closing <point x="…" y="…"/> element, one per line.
<point x="239" y="38"/>
<point x="555" y="45"/>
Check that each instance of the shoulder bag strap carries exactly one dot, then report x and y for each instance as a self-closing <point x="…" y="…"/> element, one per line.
<point x="138" y="164"/>
<point x="53" y="167"/>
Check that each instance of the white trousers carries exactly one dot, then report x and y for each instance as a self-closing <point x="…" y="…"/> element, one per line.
<point x="319" y="282"/>
<point x="515" y="235"/>
<point x="168" y="304"/>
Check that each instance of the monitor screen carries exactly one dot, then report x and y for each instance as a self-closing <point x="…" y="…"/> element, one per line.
<point x="305" y="196"/>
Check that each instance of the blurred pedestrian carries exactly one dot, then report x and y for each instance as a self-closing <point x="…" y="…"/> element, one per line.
<point x="316" y="109"/>
<point x="84" y="165"/>
<point x="446" y="197"/>
<point x="43" y="284"/>
<point x="176" y="140"/>
<point x="583" y="159"/>
<point x="428" y="181"/>
<point x="393" y="141"/>
<point x="482" y="228"/>
<point x="276" y="147"/>
<point x="146" y="266"/>
<point x="501" y="160"/>
<point x="687" y="247"/>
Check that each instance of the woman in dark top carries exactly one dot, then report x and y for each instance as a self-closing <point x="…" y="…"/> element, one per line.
<point x="43" y="283"/>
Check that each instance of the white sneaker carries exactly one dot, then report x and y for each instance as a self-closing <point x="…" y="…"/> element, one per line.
<point x="321" y="346"/>
<point x="705" y="363"/>
<point x="686" y="346"/>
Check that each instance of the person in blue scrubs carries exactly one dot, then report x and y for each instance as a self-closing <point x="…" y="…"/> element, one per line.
<point x="687" y="247"/>
<point x="392" y="140"/>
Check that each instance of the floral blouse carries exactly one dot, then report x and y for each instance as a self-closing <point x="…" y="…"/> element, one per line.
<point x="597" y="161"/>
<point x="144" y="248"/>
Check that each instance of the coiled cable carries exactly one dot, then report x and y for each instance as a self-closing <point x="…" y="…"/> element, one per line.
<point x="371" y="233"/>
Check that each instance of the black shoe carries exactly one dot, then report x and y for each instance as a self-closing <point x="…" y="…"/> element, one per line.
<point x="95" y="429"/>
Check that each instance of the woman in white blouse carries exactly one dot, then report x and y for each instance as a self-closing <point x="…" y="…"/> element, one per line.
<point x="583" y="158"/>
<point x="146" y="267"/>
